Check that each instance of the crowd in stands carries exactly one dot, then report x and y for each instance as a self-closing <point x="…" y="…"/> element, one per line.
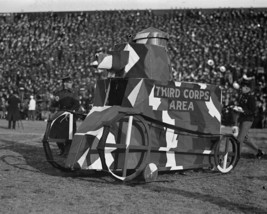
<point x="219" y="46"/>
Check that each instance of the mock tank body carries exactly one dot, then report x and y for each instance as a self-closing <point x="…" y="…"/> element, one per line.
<point x="141" y="117"/>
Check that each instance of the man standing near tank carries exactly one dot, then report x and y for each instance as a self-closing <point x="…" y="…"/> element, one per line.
<point x="247" y="108"/>
<point x="66" y="99"/>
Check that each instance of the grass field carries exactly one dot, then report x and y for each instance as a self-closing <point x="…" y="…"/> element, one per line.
<point x="28" y="184"/>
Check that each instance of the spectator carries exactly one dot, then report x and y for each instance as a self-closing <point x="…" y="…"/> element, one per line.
<point x="39" y="48"/>
<point x="32" y="108"/>
<point x="3" y="105"/>
<point x="13" y="113"/>
<point x="264" y="121"/>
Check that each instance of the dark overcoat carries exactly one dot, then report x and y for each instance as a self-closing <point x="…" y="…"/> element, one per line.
<point x="13" y="112"/>
<point x="67" y="100"/>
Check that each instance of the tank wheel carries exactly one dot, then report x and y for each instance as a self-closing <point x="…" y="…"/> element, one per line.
<point x="53" y="158"/>
<point x="227" y="153"/>
<point x="150" y="172"/>
<point x="51" y="147"/>
<point x="125" y="147"/>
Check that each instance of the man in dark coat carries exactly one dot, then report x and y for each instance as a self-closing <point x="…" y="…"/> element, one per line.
<point x="13" y="113"/>
<point x="247" y="105"/>
<point x="66" y="98"/>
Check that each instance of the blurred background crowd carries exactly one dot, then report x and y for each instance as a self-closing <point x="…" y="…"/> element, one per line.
<point x="218" y="46"/>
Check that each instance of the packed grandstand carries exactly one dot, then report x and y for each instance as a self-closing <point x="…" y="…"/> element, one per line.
<point x="216" y="46"/>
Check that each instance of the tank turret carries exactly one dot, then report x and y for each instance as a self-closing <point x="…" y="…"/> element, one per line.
<point x="145" y="57"/>
<point x="152" y="36"/>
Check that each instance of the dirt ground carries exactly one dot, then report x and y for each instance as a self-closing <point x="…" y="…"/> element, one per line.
<point x="28" y="184"/>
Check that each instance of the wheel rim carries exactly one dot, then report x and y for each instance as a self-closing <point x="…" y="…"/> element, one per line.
<point x="226" y="154"/>
<point x="51" y="149"/>
<point x="125" y="147"/>
<point x="57" y="162"/>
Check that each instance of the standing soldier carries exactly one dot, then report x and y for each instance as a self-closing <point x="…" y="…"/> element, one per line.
<point x="247" y="105"/>
<point x="66" y="98"/>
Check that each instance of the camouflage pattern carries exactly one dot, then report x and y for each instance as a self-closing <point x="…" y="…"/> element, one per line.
<point x="173" y="125"/>
<point x="170" y="149"/>
<point x="187" y="106"/>
<point x="144" y="61"/>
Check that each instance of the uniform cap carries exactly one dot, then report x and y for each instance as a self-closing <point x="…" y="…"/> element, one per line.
<point x="66" y="78"/>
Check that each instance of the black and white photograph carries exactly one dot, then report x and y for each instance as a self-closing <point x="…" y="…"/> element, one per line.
<point x="133" y="107"/>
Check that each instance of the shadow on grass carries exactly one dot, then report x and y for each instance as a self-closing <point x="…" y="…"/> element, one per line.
<point x="4" y="127"/>
<point x="33" y="156"/>
<point x="252" y="156"/>
<point x="33" y="159"/>
<point x="261" y="178"/>
<point x="219" y="201"/>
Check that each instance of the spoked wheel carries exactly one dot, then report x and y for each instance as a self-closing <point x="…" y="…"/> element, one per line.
<point x="52" y="143"/>
<point x="52" y="156"/>
<point x="227" y="153"/>
<point x="125" y="147"/>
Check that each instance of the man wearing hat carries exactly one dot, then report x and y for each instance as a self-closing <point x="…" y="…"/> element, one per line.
<point x="13" y="112"/>
<point x="66" y="98"/>
<point x="247" y="104"/>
